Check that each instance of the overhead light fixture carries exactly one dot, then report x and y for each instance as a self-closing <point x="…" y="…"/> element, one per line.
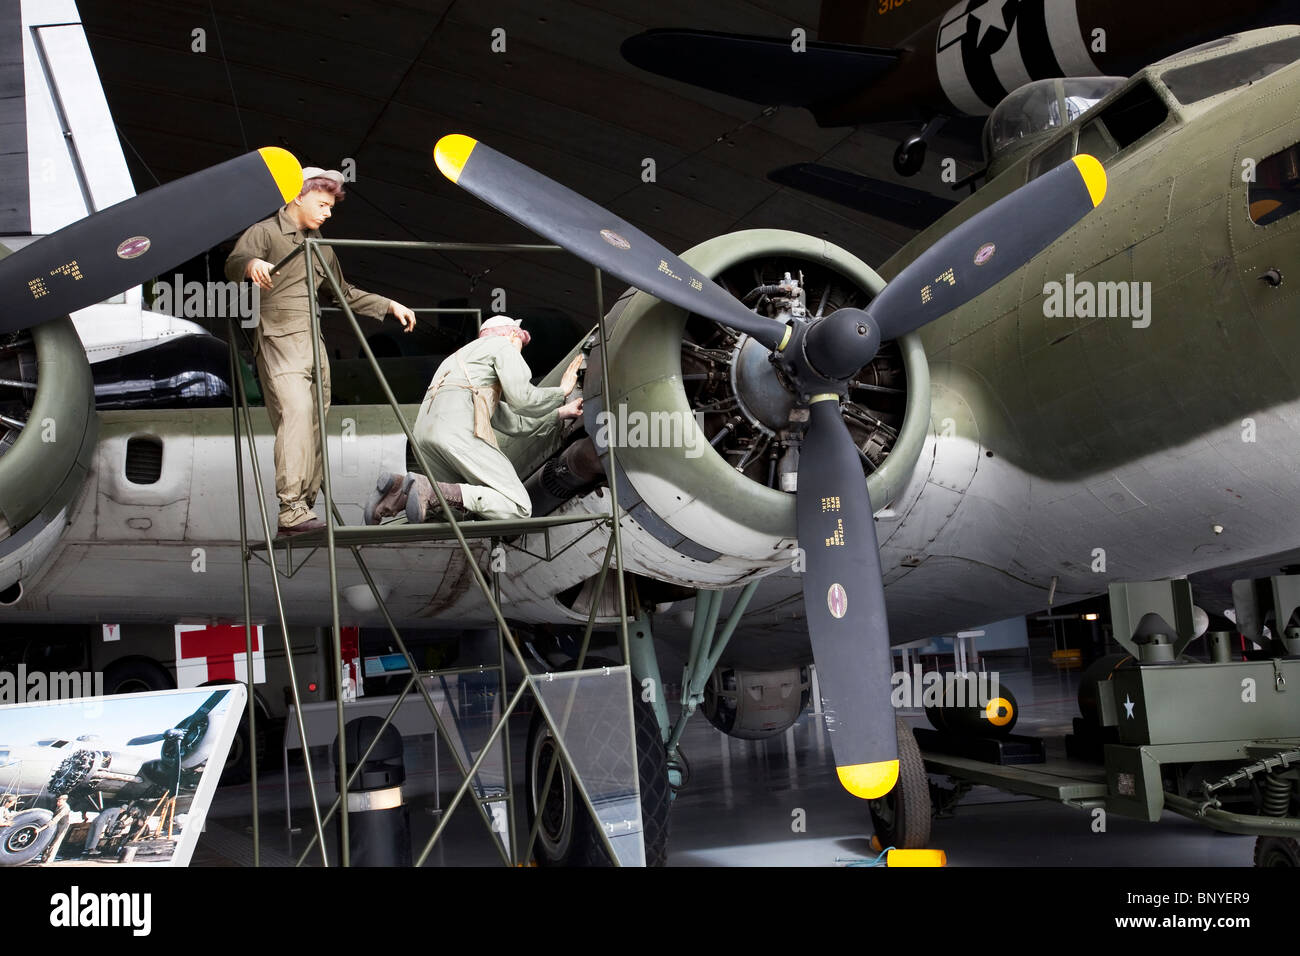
<point x="1091" y="616"/>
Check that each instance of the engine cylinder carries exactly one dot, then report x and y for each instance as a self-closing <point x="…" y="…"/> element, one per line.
<point x="569" y="473"/>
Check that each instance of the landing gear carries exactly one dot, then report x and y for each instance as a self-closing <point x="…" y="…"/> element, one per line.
<point x="909" y="157"/>
<point x="24" y="840"/>
<point x="902" y="817"/>
<point x="239" y="767"/>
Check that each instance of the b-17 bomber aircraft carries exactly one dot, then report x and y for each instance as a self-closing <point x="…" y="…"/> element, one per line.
<point x="1059" y="368"/>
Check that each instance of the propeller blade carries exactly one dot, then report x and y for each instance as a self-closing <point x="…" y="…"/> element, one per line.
<point x="206" y="707"/>
<point x="146" y="739"/>
<point x="844" y="602"/>
<point x="594" y="234"/>
<point x="121" y="246"/>
<point x="989" y="246"/>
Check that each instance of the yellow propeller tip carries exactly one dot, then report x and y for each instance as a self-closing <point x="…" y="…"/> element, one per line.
<point x="452" y="153"/>
<point x="869" y="780"/>
<point x="1094" y="177"/>
<point x="284" y="169"/>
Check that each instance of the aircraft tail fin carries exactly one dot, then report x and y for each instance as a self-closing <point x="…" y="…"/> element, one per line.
<point x="62" y="159"/>
<point x="764" y="70"/>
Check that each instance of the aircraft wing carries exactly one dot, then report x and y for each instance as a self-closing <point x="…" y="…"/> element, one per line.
<point x="764" y="70"/>
<point x="914" y="208"/>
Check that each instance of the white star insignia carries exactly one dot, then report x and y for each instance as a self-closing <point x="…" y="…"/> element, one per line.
<point x="1128" y="706"/>
<point x="988" y="17"/>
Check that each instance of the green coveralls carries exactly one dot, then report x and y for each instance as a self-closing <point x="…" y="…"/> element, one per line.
<point x="444" y="428"/>
<point x="284" y="355"/>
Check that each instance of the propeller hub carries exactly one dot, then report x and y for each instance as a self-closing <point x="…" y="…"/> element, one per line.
<point x="823" y="355"/>
<point x="840" y="344"/>
<point x="764" y="400"/>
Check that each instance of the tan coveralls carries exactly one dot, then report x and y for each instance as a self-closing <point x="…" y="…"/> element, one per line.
<point x="284" y="360"/>
<point x="449" y="435"/>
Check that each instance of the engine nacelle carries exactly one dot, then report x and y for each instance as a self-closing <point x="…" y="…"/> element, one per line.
<point x="47" y="440"/>
<point x="752" y="705"/>
<point x="724" y="490"/>
<point x="707" y="435"/>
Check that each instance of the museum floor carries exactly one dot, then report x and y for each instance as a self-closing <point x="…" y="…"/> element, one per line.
<point x="745" y="800"/>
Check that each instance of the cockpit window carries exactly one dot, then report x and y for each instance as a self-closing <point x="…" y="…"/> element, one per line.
<point x="1041" y="106"/>
<point x="1198" y="81"/>
<point x="1275" y="191"/>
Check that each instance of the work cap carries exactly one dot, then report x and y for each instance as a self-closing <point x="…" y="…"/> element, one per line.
<point x="504" y="325"/>
<point x="315" y="172"/>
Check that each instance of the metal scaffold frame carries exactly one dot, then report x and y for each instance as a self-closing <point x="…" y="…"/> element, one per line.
<point x="334" y="536"/>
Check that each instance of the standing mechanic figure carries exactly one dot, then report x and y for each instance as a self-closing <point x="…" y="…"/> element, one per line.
<point x="283" y="343"/>
<point x="483" y="385"/>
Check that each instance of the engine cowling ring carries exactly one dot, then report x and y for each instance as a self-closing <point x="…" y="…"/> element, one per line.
<point x="701" y="499"/>
<point x="43" y="471"/>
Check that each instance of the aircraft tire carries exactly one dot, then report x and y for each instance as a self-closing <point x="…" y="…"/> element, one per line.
<point x="239" y="768"/>
<point x="1277" y="851"/>
<point x="20" y="843"/>
<point x="902" y="817"/>
<point x="134" y="675"/>
<point x="909" y="157"/>
<point x="568" y="836"/>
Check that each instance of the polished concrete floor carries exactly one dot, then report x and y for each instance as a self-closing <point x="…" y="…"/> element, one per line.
<point x="774" y="802"/>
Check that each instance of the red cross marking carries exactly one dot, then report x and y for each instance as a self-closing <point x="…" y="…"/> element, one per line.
<point x="219" y="644"/>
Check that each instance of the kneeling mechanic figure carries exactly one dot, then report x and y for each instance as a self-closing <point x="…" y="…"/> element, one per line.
<point x="484" y="385"/>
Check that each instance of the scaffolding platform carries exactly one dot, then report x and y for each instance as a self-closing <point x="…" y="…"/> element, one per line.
<point x="399" y="532"/>
<point x="587" y="712"/>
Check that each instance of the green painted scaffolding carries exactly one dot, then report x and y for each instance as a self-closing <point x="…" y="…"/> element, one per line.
<point x="336" y="536"/>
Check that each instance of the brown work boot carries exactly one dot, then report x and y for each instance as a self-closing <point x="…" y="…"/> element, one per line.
<point x="388" y="499"/>
<point x="422" y="503"/>
<point x="311" y="524"/>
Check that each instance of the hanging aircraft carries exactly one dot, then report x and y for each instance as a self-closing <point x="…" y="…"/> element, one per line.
<point x="931" y="62"/>
<point x="1038" y="381"/>
<point x="932" y="72"/>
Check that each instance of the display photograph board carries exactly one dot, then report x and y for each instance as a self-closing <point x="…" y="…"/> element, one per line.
<point x="111" y="781"/>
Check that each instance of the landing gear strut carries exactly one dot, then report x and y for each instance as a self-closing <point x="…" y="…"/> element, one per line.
<point x="909" y="157"/>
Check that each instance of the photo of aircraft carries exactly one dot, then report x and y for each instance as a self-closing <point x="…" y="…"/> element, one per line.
<point x="972" y="381"/>
<point x="96" y="775"/>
